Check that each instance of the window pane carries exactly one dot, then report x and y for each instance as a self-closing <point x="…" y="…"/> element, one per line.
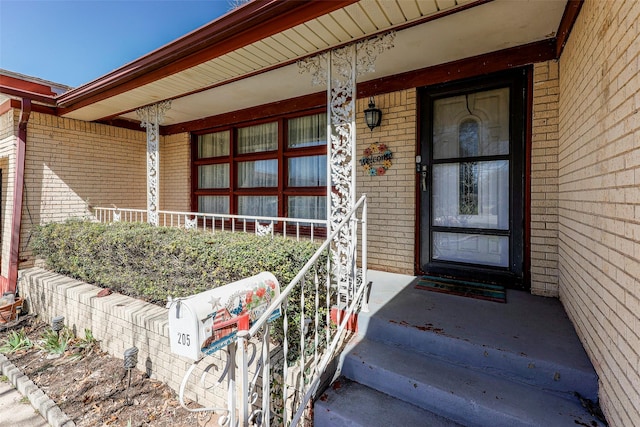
<point x="471" y="248"/>
<point x="258" y="205"/>
<point x="471" y="194"/>
<point x="213" y="204"/>
<point x="213" y="176"/>
<point x="259" y="138"/>
<point x="261" y="173"/>
<point x="475" y="124"/>
<point x="308" y="131"/>
<point x="468" y="195"/>
<point x="308" y="171"/>
<point x="213" y="144"/>
<point x="308" y="207"/>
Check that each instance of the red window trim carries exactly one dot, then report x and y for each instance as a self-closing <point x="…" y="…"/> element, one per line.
<point x="282" y="154"/>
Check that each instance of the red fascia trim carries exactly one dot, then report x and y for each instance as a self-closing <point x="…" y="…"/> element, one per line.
<point x="12" y="91"/>
<point x="26" y="86"/>
<point x="36" y="108"/>
<point x="250" y="23"/>
<point x="284" y="64"/>
<point x="468" y="67"/>
<point x="569" y="17"/>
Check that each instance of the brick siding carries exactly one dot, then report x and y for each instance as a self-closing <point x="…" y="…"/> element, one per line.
<point x="175" y="173"/>
<point x="599" y="197"/>
<point x="73" y="165"/>
<point x="392" y="196"/>
<point x="544" y="180"/>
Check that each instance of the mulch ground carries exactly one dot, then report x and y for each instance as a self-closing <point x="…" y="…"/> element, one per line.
<point x="93" y="389"/>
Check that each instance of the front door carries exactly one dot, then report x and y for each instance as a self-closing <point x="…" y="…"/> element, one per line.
<point x="471" y="179"/>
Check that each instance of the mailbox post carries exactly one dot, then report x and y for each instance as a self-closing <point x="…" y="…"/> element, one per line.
<point x="202" y="324"/>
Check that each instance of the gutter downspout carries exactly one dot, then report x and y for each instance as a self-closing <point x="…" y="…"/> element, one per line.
<point x="18" y="191"/>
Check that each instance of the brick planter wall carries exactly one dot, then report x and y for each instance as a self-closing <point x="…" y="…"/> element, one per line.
<point x="118" y="322"/>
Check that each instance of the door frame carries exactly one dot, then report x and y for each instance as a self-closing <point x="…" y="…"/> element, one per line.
<point x="521" y="105"/>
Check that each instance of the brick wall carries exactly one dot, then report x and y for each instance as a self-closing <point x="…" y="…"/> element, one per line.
<point x="599" y="197"/>
<point x="118" y="322"/>
<point x="544" y="180"/>
<point x="175" y="172"/>
<point x="71" y="165"/>
<point x="392" y="196"/>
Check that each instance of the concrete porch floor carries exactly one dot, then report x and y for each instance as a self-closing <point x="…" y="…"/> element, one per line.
<point x="526" y="326"/>
<point x="445" y="360"/>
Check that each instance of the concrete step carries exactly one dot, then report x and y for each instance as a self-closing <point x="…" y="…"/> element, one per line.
<point x="456" y="393"/>
<point x="348" y="403"/>
<point x="478" y="335"/>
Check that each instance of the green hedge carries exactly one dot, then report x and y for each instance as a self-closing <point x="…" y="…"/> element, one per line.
<point x="153" y="263"/>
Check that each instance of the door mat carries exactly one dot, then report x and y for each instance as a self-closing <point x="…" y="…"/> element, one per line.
<point x="463" y="288"/>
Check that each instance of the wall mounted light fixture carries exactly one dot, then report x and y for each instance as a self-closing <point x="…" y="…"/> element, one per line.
<point x="372" y="115"/>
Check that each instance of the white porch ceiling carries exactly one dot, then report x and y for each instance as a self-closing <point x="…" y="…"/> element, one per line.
<point x="254" y="76"/>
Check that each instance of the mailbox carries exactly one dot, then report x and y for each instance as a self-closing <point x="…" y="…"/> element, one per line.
<point x="206" y="322"/>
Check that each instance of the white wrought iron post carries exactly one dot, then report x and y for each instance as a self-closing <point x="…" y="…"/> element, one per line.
<point x="150" y="118"/>
<point x="339" y="70"/>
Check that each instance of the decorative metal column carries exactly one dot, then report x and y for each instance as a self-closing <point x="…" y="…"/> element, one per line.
<point x="150" y="118"/>
<point x="339" y="70"/>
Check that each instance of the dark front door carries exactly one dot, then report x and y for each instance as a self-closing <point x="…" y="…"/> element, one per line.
<point x="471" y="179"/>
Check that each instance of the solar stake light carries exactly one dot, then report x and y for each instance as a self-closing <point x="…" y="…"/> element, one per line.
<point x="57" y="323"/>
<point x="130" y="358"/>
<point x="130" y="362"/>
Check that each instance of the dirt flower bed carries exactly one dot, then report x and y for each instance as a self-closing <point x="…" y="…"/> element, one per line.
<point x="88" y="385"/>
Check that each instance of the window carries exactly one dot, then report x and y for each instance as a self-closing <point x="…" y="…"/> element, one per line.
<point x="277" y="168"/>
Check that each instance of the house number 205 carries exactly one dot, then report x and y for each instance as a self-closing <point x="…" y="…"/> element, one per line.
<point x="184" y="339"/>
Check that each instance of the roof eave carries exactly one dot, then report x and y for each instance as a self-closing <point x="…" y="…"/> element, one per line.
<point x="240" y="27"/>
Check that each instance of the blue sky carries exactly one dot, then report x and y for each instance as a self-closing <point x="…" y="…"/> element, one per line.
<point x="75" y="42"/>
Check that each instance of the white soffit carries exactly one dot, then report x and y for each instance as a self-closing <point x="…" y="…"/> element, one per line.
<point x="489" y="27"/>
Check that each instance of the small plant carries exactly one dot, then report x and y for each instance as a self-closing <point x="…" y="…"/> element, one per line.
<point x="65" y="342"/>
<point x="81" y="347"/>
<point x="4" y="379"/>
<point x="56" y="343"/>
<point x="87" y="342"/>
<point x="16" y="341"/>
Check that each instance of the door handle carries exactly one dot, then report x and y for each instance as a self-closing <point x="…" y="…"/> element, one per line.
<point x="424" y="180"/>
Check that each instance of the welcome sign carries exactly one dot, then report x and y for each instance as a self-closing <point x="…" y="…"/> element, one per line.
<point x="376" y="159"/>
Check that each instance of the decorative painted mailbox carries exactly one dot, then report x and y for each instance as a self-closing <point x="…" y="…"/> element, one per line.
<point x="206" y="322"/>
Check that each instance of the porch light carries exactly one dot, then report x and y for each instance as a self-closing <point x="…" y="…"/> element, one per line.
<point x="372" y="115"/>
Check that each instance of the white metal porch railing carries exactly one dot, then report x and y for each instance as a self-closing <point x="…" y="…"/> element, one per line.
<point x="292" y="227"/>
<point x="280" y="373"/>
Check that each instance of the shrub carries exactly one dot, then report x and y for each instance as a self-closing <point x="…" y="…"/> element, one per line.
<point x="154" y="263"/>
